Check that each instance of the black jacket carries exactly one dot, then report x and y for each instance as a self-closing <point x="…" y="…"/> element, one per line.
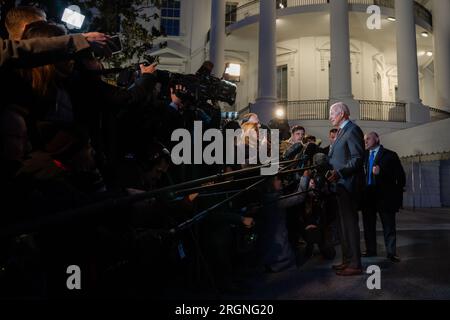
<point x="387" y="192"/>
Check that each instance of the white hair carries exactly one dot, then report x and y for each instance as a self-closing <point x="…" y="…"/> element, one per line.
<point x="340" y="106"/>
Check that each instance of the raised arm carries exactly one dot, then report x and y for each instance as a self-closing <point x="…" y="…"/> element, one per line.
<point x="42" y="51"/>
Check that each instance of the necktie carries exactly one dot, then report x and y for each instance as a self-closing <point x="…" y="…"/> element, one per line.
<point x="369" y="172"/>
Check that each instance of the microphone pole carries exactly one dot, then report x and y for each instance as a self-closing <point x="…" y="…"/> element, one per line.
<point x="186" y="224"/>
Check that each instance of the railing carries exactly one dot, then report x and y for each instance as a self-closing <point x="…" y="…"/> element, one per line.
<point x="438" y="114"/>
<point x="251" y="8"/>
<point x="306" y="109"/>
<point x="382" y="111"/>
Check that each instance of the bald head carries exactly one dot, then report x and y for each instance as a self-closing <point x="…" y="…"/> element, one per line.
<point x="339" y="112"/>
<point x="371" y="140"/>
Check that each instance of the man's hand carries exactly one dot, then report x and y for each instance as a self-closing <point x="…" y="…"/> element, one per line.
<point x="333" y="176"/>
<point x="99" y="43"/>
<point x="376" y="170"/>
<point x="174" y="97"/>
<point x="192" y="197"/>
<point x="148" y="69"/>
<point x="248" y="222"/>
<point x="96" y="37"/>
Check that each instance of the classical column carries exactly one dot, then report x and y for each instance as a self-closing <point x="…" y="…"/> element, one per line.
<point x="441" y="33"/>
<point x="266" y="101"/>
<point x="217" y="37"/>
<point x="341" y="77"/>
<point x="407" y="65"/>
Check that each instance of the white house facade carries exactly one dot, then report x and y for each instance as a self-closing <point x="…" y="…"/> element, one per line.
<point x="303" y="55"/>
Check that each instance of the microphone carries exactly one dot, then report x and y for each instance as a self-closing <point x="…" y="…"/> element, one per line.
<point x="321" y="160"/>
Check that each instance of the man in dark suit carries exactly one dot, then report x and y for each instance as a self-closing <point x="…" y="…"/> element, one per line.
<point x="385" y="180"/>
<point x="346" y="157"/>
<point x="331" y="137"/>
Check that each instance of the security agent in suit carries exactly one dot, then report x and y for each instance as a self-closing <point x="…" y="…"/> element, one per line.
<point x="385" y="180"/>
<point x="346" y="157"/>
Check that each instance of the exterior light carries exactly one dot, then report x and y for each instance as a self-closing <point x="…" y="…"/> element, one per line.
<point x="425" y="34"/>
<point x="391" y="19"/>
<point x="72" y="17"/>
<point x="234" y="70"/>
<point x="429" y="53"/>
<point x="421" y="53"/>
<point x="279" y="113"/>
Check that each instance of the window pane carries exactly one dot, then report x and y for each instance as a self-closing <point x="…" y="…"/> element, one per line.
<point x="176" y="28"/>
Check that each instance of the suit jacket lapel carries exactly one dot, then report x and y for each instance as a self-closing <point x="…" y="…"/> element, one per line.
<point x="341" y="133"/>
<point x="379" y="155"/>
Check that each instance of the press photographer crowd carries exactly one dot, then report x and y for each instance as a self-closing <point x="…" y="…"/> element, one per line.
<point x="88" y="180"/>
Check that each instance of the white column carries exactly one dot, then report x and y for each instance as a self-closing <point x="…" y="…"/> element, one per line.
<point x="407" y="65"/>
<point x="340" y="69"/>
<point x="441" y="33"/>
<point x="267" y="64"/>
<point x="217" y="40"/>
<point x="341" y="78"/>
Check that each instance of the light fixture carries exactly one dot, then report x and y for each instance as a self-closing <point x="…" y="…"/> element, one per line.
<point x="391" y="19"/>
<point x="421" y="53"/>
<point x="279" y="113"/>
<point x="281" y="6"/>
<point x="425" y="34"/>
<point x="72" y="17"/>
<point x="234" y="69"/>
<point x="429" y="53"/>
<point x="233" y="72"/>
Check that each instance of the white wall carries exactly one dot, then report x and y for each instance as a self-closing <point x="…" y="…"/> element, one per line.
<point x="307" y="59"/>
<point x="198" y="22"/>
<point x="427" y="89"/>
<point x="424" y="139"/>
